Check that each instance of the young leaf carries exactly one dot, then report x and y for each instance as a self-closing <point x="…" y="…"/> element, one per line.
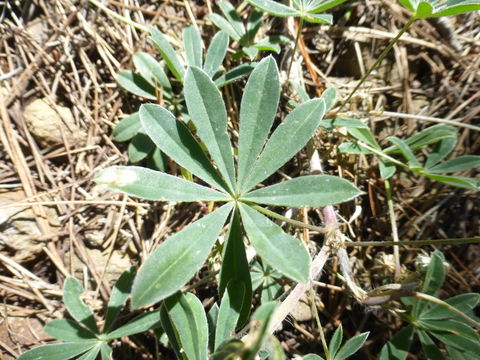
<point x="151" y="70"/>
<point x="351" y="346"/>
<point x="440" y="150"/>
<point x="192" y="43"/>
<point x="189" y="319"/>
<point x="306" y="191"/>
<point x="387" y="169"/>
<point x="216" y="53"/>
<point x="317" y="6"/>
<point x="207" y="110"/>
<point x="61" y="351"/>
<point x="235" y="266"/>
<point x="167" y="52"/>
<point x="397" y="348"/>
<point x="257" y="112"/>
<point x="274" y="8"/>
<point x="232" y="17"/>
<point x="434" y="279"/>
<point x="424" y="10"/>
<point x="67" y="330"/>
<point x="406" y="152"/>
<point x="224" y="25"/>
<point x="136" y="84"/>
<point x="177" y="259"/>
<point x="235" y="74"/>
<point x="127" y="128"/>
<point x="430" y="135"/>
<point x="429" y="347"/>
<point x="364" y="135"/>
<point x="175" y="140"/>
<point x="72" y="289"/>
<point x="287" y="139"/>
<point x="460" y="163"/>
<point x="140" y="324"/>
<point x="140" y="147"/>
<point x="230" y="308"/>
<point x="336" y="341"/>
<point x="281" y="251"/>
<point x="120" y="293"/>
<point x="456" y="7"/>
<point x="155" y="185"/>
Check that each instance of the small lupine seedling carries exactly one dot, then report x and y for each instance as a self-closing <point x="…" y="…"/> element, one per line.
<point x="177" y="259"/>
<point x="335" y="351"/>
<point x="150" y="81"/>
<point x="442" y="137"/>
<point x="438" y="8"/>
<point x="82" y="338"/>
<point x="449" y="321"/>
<point x="265" y="279"/>
<point x="245" y="35"/>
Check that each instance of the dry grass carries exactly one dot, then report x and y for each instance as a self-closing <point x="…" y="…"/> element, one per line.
<point x="68" y="52"/>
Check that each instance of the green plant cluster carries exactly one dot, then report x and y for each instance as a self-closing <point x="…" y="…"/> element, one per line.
<point x="189" y="124"/>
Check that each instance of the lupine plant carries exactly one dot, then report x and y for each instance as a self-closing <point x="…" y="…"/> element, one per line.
<point x="449" y="322"/>
<point x="259" y="156"/>
<point x="81" y="336"/>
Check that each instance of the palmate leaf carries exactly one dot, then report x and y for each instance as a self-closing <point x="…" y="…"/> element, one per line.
<point x="207" y="110"/>
<point x="177" y="259"/>
<point x="257" y="112"/>
<point x="175" y="140"/>
<point x="281" y="251"/>
<point x="306" y="191"/>
<point x="287" y="139"/>
<point x="154" y="185"/>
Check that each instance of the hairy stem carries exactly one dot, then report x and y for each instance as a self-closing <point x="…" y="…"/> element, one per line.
<point x="393" y="224"/>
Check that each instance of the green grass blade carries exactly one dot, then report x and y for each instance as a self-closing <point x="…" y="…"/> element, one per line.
<point x="207" y="110"/>
<point x="175" y="140"/>
<point x="154" y="185"/>
<point x="281" y="251"/>
<point x="288" y="138"/>
<point x="257" y="112"/>
<point x="177" y="259"/>
<point x="306" y="191"/>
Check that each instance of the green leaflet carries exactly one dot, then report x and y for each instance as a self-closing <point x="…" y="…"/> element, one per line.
<point x="72" y="290"/>
<point x="167" y="52"/>
<point x="257" y="112"/>
<point x="190" y="322"/>
<point x="229" y="313"/>
<point x="281" y="251"/>
<point x="207" y="110"/>
<point x="192" y="44"/>
<point x="155" y="185"/>
<point x="136" y="84"/>
<point x="216" y="53"/>
<point x="273" y="7"/>
<point x="140" y="324"/>
<point x="175" y="140"/>
<point x="62" y="351"/>
<point x="306" y="191"/>
<point x="177" y="259"/>
<point x="68" y="330"/>
<point x="287" y="139"/>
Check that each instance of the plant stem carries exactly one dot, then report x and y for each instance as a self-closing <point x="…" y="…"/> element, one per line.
<point x="472" y="240"/>
<point x="447" y="306"/>
<point x="287" y="220"/>
<point x="297" y="38"/>
<point x="393" y="224"/>
<point x="379" y="60"/>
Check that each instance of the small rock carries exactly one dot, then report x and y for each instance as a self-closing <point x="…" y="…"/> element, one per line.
<point x="18" y="227"/>
<point x="45" y="124"/>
